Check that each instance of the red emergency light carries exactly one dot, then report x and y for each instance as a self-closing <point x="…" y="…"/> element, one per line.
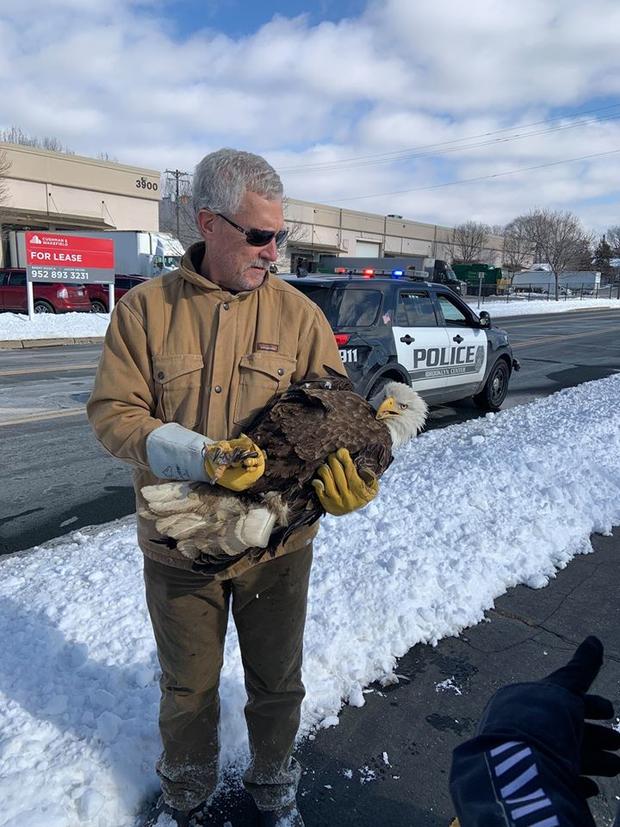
<point x="340" y="270"/>
<point x="368" y="274"/>
<point x="342" y="338"/>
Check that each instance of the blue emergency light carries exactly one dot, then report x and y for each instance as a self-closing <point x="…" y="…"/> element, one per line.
<point x="396" y="274"/>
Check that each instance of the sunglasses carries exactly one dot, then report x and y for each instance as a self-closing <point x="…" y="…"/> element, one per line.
<point x="257" y="238"/>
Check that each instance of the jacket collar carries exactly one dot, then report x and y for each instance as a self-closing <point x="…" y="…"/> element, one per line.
<point x="190" y="270"/>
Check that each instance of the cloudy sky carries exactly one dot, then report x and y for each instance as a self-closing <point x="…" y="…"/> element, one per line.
<point x="378" y="106"/>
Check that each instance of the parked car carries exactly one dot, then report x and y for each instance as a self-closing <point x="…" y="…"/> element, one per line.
<point x="48" y="297"/>
<point x="421" y="333"/>
<point x="99" y="294"/>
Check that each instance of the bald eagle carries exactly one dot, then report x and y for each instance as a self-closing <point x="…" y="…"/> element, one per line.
<point x="297" y="432"/>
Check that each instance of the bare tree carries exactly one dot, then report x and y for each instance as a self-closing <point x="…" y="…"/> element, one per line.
<point x="613" y="239"/>
<point x="105" y="156"/>
<point x="583" y="257"/>
<point x="176" y="209"/>
<point x="16" y="135"/>
<point x="518" y="246"/>
<point x="559" y="239"/>
<point x="173" y="213"/>
<point x="5" y="166"/>
<point x="470" y="239"/>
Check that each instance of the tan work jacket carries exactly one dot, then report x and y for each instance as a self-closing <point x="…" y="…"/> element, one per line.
<point x="179" y="348"/>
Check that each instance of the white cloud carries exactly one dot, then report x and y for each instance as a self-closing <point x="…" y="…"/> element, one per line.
<point x="110" y="76"/>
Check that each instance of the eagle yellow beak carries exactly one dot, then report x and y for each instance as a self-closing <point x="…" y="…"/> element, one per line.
<point x="386" y="408"/>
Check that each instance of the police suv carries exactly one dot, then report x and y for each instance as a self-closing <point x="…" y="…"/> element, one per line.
<point x="421" y="333"/>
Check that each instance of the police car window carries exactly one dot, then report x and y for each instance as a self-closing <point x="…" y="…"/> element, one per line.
<point x="344" y="306"/>
<point x="355" y="308"/>
<point x="415" y="309"/>
<point x="451" y="313"/>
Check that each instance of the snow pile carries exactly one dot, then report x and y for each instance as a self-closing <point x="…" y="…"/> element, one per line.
<point x="463" y="514"/>
<point x="49" y="326"/>
<point x="521" y="307"/>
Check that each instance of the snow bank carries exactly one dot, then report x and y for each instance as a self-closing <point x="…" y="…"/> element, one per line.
<point x="49" y="326"/>
<point x="521" y="307"/>
<point x="464" y="513"/>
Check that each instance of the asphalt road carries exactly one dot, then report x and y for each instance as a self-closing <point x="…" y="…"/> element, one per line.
<point x="56" y="478"/>
<point x="388" y="763"/>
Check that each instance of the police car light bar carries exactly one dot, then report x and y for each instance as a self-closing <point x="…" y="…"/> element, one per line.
<point x="396" y="274"/>
<point x="340" y="270"/>
<point x="368" y="274"/>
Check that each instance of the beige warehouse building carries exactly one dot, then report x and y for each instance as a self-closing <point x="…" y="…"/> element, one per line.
<point x="318" y="230"/>
<point x="53" y="191"/>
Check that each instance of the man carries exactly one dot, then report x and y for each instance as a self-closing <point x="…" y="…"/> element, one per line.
<point x="189" y="358"/>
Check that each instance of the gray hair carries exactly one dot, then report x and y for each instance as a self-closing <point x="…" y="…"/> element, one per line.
<point x="222" y="178"/>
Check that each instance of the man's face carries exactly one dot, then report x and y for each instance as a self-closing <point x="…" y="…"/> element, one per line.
<point x="229" y="260"/>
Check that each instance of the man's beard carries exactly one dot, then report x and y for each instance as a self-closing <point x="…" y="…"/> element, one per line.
<point x="248" y="276"/>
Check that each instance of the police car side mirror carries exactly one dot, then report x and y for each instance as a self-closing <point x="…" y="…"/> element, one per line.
<point x="485" y="319"/>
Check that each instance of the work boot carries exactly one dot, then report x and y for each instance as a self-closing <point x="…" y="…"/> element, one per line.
<point x="179" y="818"/>
<point x="284" y="817"/>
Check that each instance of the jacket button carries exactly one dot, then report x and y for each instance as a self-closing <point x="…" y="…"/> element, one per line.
<point x="161" y="374"/>
<point x="280" y="372"/>
<point x="218" y="388"/>
<point x="225" y="305"/>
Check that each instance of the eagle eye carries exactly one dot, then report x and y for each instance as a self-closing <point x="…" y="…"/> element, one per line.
<point x="403" y="406"/>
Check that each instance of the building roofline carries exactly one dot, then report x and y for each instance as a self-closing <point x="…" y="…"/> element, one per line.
<point x="78" y="159"/>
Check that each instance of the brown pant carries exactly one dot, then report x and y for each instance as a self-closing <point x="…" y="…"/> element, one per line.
<point x="189" y="614"/>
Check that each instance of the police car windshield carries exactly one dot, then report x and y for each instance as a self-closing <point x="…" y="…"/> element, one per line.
<point x="343" y="305"/>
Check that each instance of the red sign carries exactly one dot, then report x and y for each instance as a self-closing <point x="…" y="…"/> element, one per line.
<point x="69" y="251"/>
<point x="55" y="257"/>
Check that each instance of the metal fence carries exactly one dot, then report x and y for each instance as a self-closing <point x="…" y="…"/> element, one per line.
<point x="532" y="292"/>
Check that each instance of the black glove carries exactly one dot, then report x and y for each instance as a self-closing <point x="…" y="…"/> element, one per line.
<point x="596" y="741"/>
<point x="549" y="717"/>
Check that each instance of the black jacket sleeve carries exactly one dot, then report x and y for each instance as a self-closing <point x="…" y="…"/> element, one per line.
<point x="522" y="769"/>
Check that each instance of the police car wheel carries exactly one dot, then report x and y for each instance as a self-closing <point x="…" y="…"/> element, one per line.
<point x="492" y="396"/>
<point x="378" y="386"/>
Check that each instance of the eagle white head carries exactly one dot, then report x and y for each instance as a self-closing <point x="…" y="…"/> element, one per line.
<point x="402" y="410"/>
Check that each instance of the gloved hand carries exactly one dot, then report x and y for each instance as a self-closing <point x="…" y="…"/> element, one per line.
<point x="596" y="741"/>
<point x="235" y="464"/>
<point x="535" y="737"/>
<point x="340" y="488"/>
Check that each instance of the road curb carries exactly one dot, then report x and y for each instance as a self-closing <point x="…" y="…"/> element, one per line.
<point x="16" y="344"/>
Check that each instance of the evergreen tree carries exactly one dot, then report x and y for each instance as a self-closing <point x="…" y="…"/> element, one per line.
<point x="602" y="256"/>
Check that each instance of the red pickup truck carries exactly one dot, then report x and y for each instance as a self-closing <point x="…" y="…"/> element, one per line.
<point x="99" y="294"/>
<point x="48" y="298"/>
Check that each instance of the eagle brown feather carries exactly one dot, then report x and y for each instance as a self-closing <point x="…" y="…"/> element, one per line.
<point x="298" y="431"/>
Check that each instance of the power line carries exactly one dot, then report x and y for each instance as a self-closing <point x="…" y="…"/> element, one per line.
<point x="478" y="178"/>
<point x="436" y="148"/>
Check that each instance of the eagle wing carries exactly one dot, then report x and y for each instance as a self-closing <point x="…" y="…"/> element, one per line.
<point x="301" y="429"/>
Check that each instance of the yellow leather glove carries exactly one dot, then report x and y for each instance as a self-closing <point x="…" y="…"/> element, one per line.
<point x="340" y="488"/>
<point x="229" y="463"/>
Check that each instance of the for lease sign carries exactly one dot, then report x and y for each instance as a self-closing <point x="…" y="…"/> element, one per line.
<point x="69" y="258"/>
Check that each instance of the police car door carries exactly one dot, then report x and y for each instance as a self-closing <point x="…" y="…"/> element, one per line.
<point x="418" y="337"/>
<point x="466" y="362"/>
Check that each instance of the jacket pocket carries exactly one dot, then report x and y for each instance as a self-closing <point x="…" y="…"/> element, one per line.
<point x="178" y="381"/>
<point x="262" y="375"/>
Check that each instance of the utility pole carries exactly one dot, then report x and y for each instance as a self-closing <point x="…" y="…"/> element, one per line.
<point x="177" y="175"/>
